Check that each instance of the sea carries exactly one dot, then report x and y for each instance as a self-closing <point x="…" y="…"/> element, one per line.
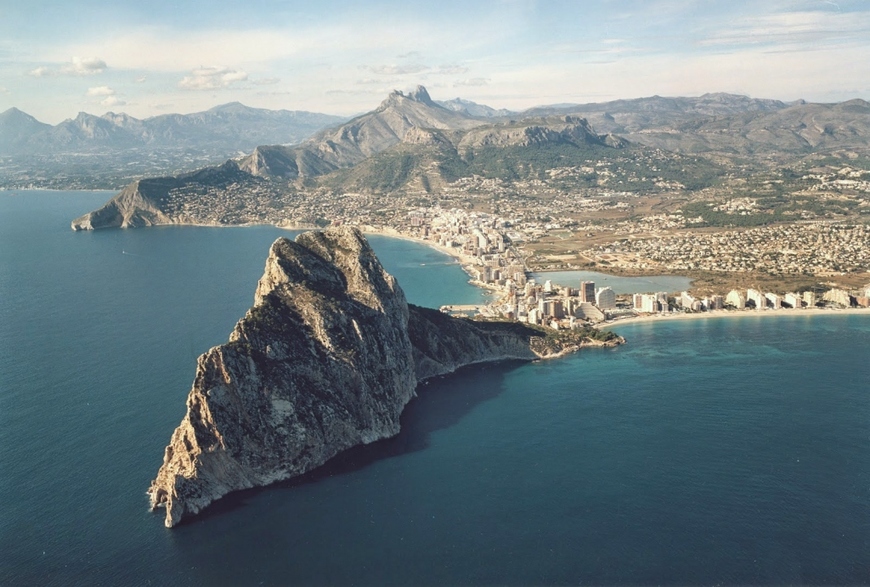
<point x="703" y="452"/>
<point x="619" y="284"/>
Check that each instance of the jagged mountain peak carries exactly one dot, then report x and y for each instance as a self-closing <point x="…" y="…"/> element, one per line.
<point x="421" y="95"/>
<point x="366" y="135"/>
<point x="418" y="94"/>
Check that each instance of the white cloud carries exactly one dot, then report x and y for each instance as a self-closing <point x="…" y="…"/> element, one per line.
<point x="78" y="66"/>
<point x="266" y="81"/>
<point x="212" y="78"/>
<point x="453" y="69"/>
<point x="85" y="66"/>
<point x="404" y="69"/>
<point x="112" y="101"/>
<point x="473" y="82"/>
<point x="141" y="80"/>
<point x="41" y="71"/>
<point x="803" y="29"/>
<point x="100" y="91"/>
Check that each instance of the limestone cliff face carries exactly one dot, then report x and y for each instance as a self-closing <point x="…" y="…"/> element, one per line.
<point x="321" y="363"/>
<point x="326" y="359"/>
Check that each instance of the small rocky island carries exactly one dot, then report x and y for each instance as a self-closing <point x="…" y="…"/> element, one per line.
<point x="325" y="360"/>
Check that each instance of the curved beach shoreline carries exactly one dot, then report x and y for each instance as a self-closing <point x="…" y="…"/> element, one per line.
<point x="666" y="317"/>
<point x="467" y="262"/>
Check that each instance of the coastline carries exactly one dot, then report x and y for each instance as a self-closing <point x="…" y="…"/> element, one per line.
<point x="464" y="261"/>
<point x="392" y="233"/>
<point x="715" y="314"/>
<point x="467" y="262"/>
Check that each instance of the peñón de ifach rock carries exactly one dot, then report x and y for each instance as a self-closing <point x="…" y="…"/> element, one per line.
<point x="326" y="359"/>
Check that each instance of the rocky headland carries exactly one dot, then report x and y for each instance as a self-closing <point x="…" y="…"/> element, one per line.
<point x="325" y="360"/>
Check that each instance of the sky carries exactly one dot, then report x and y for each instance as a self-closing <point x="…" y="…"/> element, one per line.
<point x="151" y="57"/>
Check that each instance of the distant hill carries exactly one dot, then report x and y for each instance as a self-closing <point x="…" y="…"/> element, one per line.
<point x="798" y="129"/>
<point x="727" y="123"/>
<point x="229" y="128"/>
<point x="474" y="109"/>
<point x="16" y="127"/>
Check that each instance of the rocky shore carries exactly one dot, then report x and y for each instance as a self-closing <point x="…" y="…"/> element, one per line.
<point x="326" y="359"/>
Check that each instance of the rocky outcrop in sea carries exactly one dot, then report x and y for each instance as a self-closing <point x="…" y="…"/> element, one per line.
<point x="325" y="360"/>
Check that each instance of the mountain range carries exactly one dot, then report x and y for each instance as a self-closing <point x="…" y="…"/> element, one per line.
<point x="231" y="127"/>
<point x="411" y="145"/>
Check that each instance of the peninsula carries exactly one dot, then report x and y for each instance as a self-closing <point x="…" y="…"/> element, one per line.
<point x="325" y="360"/>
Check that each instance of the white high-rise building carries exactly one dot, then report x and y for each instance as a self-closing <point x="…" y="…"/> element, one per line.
<point x="605" y="298"/>
<point x="838" y="296"/>
<point x="736" y="299"/>
<point x="756" y="297"/>
<point x="687" y="300"/>
<point x="637" y="301"/>
<point x="793" y="300"/>
<point x="647" y="303"/>
<point x="773" y="301"/>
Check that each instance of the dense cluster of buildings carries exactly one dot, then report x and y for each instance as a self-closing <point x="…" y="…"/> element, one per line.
<point x="566" y="307"/>
<point x="479" y="240"/>
<point x="815" y="248"/>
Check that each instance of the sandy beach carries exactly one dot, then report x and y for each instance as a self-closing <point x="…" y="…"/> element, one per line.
<point x="647" y="318"/>
<point x="465" y="261"/>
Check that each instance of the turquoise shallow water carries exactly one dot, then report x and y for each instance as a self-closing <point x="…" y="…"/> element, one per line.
<point x="725" y="451"/>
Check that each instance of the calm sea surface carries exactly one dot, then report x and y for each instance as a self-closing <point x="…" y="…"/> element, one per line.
<point x="620" y="285"/>
<point x="727" y="451"/>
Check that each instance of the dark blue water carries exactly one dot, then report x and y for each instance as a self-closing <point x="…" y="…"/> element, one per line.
<point x="727" y="451"/>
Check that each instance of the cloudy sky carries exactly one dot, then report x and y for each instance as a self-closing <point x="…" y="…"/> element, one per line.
<point x="59" y="57"/>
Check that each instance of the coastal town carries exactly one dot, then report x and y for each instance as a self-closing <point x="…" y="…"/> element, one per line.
<point x="819" y="229"/>
<point x="487" y="246"/>
<point x="499" y="244"/>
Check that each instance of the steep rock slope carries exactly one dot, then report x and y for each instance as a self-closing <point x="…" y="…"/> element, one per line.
<point x="322" y="362"/>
